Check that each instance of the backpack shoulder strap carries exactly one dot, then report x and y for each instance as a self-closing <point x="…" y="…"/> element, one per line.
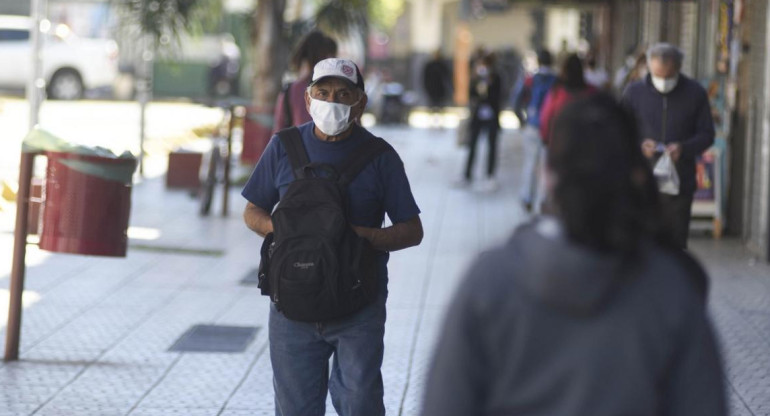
<point x="288" y="117"/>
<point x="291" y="139"/>
<point x="360" y="157"/>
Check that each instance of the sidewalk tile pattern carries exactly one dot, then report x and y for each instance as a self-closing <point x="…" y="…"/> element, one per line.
<point x="96" y="332"/>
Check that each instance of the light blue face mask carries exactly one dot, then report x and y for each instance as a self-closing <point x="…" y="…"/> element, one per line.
<point x="331" y="118"/>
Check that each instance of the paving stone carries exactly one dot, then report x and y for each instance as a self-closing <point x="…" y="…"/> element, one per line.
<point x="215" y="338"/>
<point x="95" y="342"/>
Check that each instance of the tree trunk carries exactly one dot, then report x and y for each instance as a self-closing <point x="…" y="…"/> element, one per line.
<point x="270" y="54"/>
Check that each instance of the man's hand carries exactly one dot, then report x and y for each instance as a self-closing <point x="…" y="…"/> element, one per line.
<point x="675" y="151"/>
<point x="648" y="148"/>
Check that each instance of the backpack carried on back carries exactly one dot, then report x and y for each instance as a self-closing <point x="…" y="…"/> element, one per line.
<point x="314" y="266"/>
<point x="541" y="84"/>
<point x="288" y="116"/>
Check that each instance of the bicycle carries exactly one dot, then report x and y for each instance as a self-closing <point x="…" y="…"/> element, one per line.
<point x="217" y="161"/>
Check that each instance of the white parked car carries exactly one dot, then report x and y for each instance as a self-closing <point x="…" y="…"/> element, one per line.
<point x="71" y="65"/>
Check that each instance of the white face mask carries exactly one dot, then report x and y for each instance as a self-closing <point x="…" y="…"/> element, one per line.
<point x="331" y="118"/>
<point x="664" y="85"/>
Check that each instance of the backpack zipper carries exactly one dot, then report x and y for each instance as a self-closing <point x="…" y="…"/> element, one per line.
<point x="270" y="256"/>
<point x="665" y="119"/>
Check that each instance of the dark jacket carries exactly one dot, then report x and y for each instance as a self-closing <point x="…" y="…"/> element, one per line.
<point x="436" y="79"/>
<point x="683" y="115"/>
<point x="543" y="327"/>
<point x="486" y="91"/>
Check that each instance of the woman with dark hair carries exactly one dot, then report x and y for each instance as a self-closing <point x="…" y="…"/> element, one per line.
<point x="290" y="109"/>
<point x="485" y="103"/>
<point x="570" y="85"/>
<point x="588" y="311"/>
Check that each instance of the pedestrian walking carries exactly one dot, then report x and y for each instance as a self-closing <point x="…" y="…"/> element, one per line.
<point x="535" y="88"/>
<point x="638" y="71"/>
<point x="616" y="326"/>
<point x="595" y="74"/>
<point x="485" y="103"/>
<point x="326" y="268"/>
<point x="290" y="104"/>
<point x="676" y="124"/>
<point x="436" y="81"/>
<point x="571" y="84"/>
<point x="519" y="97"/>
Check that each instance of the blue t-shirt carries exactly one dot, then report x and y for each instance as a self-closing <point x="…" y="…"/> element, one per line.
<point x="380" y="188"/>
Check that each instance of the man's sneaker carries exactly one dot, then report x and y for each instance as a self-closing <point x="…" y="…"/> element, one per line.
<point x="489" y="185"/>
<point x="461" y="183"/>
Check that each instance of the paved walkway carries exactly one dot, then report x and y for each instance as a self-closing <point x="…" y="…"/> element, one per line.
<point x="96" y="331"/>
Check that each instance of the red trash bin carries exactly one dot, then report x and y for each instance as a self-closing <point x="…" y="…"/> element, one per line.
<point x="257" y="130"/>
<point x="86" y="211"/>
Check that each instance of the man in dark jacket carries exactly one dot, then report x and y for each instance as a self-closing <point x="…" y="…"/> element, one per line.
<point x="436" y="80"/>
<point x="674" y="117"/>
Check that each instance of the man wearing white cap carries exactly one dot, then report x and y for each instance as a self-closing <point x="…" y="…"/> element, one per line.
<point x="300" y="349"/>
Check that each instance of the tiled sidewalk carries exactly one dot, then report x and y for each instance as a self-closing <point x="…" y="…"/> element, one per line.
<point x="96" y="332"/>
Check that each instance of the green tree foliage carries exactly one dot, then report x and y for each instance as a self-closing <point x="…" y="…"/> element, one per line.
<point x="165" y="20"/>
<point x="384" y="13"/>
<point x="342" y="17"/>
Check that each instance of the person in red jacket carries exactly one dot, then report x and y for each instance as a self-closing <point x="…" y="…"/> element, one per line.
<point x="290" y="109"/>
<point x="570" y="85"/>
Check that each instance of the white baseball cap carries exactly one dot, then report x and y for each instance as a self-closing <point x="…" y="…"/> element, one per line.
<point x="338" y="68"/>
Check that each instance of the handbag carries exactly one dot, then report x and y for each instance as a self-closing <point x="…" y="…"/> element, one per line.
<point x="666" y="175"/>
<point x="464" y="132"/>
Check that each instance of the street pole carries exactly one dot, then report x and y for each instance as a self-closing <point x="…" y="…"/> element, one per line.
<point x="18" y="267"/>
<point x="35" y="85"/>
<point x="145" y="91"/>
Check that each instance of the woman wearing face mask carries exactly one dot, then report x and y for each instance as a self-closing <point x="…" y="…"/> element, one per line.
<point x="485" y="95"/>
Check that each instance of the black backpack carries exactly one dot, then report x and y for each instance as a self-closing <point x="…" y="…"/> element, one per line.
<point x="314" y="266"/>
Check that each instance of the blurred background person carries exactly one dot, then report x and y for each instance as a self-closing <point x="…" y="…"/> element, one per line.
<point x="563" y="52"/>
<point x="485" y="103"/>
<point x="619" y="78"/>
<point x="436" y="79"/>
<point x="675" y="119"/>
<point x="290" y="109"/>
<point x="596" y="75"/>
<point x="570" y="85"/>
<point x="615" y="326"/>
<point x="534" y="92"/>
<point x="638" y="72"/>
<point x="519" y="97"/>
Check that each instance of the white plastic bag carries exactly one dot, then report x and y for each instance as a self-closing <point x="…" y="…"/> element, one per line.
<point x="665" y="174"/>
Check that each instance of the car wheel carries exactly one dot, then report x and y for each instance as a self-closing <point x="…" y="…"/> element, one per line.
<point x="65" y="84"/>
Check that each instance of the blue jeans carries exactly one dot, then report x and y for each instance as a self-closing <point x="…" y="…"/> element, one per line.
<point x="300" y="352"/>
<point x="532" y="186"/>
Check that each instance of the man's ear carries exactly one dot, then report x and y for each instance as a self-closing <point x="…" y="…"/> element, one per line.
<point x="307" y="101"/>
<point x="362" y="105"/>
